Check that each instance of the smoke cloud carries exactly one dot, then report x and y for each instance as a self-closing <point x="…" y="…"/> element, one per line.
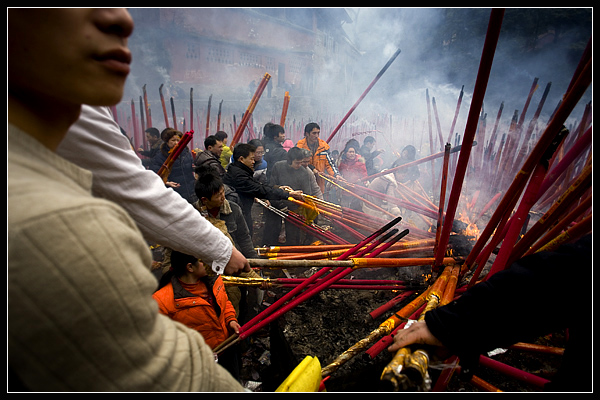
<point x="440" y="52"/>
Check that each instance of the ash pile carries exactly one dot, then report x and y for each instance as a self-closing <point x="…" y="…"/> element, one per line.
<point x="327" y="324"/>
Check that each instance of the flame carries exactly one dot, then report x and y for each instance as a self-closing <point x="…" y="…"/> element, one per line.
<point x="471" y="229"/>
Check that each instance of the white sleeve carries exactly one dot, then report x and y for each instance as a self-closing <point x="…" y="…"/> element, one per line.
<point x="96" y="143"/>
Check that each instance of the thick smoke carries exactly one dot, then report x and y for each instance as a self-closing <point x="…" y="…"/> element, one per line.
<point x="395" y="110"/>
<point x="402" y="91"/>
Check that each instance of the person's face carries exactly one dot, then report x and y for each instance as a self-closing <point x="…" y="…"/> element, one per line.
<point x="313" y="136"/>
<point x="217" y="149"/>
<point x="370" y="145"/>
<point x="280" y="138"/>
<point x="296" y="164"/>
<point x="305" y="162"/>
<point x="197" y="269"/>
<point x="351" y="154"/>
<point x="216" y="201"/>
<point x="259" y="153"/>
<point x="74" y="55"/>
<point x="173" y="141"/>
<point x="248" y="161"/>
<point x="151" y="139"/>
<point x="401" y="176"/>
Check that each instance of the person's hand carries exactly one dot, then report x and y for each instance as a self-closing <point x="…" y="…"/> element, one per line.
<point x="418" y="332"/>
<point x="237" y="263"/>
<point x="267" y="202"/>
<point x="234" y="326"/>
<point x="297" y="194"/>
<point x="288" y="188"/>
<point x="172" y="184"/>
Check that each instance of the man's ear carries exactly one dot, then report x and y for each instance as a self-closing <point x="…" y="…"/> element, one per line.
<point x="189" y="267"/>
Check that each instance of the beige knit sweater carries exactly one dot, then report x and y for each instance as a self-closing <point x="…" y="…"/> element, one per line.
<point x="80" y="312"/>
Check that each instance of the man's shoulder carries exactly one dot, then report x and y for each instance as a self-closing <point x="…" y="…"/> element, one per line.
<point x="323" y="145"/>
<point x="280" y="164"/>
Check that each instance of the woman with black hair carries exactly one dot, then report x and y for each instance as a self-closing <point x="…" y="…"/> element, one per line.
<point x="187" y="294"/>
<point x="181" y="178"/>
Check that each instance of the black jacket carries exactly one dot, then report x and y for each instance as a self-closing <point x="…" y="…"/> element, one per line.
<point x="274" y="152"/>
<point x="182" y="172"/>
<point x="240" y="177"/>
<point x="208" y="159"/>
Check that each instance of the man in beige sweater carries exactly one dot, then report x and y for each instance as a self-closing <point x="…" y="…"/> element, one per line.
<point x="80" y="312"/>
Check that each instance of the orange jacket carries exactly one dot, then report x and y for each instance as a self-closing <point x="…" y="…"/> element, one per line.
<point x="185" y="305"/>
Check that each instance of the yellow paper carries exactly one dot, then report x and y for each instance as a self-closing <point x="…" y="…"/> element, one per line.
<point x="306" y="377"/>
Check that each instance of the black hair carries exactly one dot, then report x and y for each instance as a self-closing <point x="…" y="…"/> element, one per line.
<point x="306" y="153"/>
<point x="211" y="141"/>
<point x="207" y="168"/>
<point x="221" y="135"/>
<point x="207" y="185"/>
<point x="412" y="152"/>
<point x="271" y="130"/>
<point x="153" y="132"/>
<point x="369" y="139"/>
<point x="242" y="150"/>
<point x="179" y="261"/>
<point x="310" y="126"/>
<point x="256" y="143"/>
<point x="295" y="153"/>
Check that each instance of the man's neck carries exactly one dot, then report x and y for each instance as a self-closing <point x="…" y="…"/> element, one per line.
<point x="214" y="211"/>
<point x="189" y="279"/>
<point x="46" y="121"/>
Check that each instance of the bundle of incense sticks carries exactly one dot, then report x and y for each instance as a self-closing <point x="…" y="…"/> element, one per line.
<point x="352" y="284"/>
<point x="296" y="295"/>
<point x="253" y="102"/>
<point x="286" y="103"/>
<point x="300" y="222"/>
<point x="165" y="169"/>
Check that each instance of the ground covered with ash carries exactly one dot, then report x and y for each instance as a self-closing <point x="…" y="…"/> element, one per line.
<point x="333" y="320"/>
<point x="330" y="322"/>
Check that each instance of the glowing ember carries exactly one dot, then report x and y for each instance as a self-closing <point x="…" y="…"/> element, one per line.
<point x="471" y="230"/>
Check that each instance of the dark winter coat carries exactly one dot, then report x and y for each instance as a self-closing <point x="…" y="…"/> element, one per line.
<point x="240" y="177"/>
<point x="182" y="172"/>
<point x="206" y="158"/>
<point x="369" y="156"/>
<point x="298" y="179"/>
<point x="274" y="152"/>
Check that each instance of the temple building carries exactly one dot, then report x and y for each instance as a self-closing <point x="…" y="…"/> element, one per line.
<point x="228" y="50"/>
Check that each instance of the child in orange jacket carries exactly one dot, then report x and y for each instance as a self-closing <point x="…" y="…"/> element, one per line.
<point x="188" y="295"/>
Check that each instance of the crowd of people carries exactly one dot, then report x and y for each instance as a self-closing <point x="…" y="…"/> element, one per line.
<point x="84" y="312"/>
<point x="273" y="168"/>
<point x="223" y="184"/>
